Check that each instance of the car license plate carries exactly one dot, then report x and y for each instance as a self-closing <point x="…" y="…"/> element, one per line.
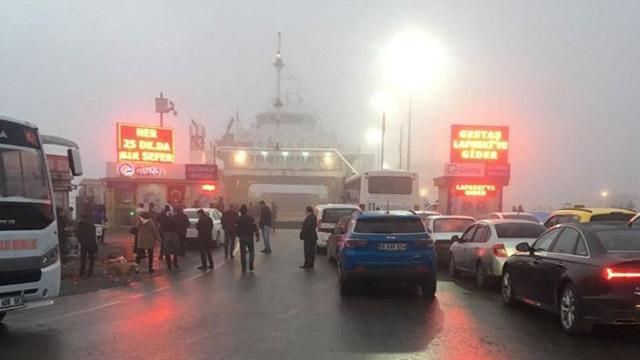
<point x="392" y="246"/>
<point x="9" y="302"/>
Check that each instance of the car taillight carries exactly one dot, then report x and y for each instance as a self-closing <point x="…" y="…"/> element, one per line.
<point x="612" y="273"/>
<point x="423" y="243"/>
<point x="499" y="250"/>
<point x="352" y="244"/>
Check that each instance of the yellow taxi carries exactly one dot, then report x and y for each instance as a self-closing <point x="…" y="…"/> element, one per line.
<point x="584" y="215"/>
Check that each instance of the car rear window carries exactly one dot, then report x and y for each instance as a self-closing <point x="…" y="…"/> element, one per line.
<point x="620" y="239"/>
<point x="519" y="230"/>
<point x="451" y="225"/>
<point x="389" y="225"/>
<point x="333" y="215"/>
<point x="616" y="216"/>
<point x="527" y="217"/>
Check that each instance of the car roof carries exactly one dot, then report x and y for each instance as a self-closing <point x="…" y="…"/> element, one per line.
<point x="513" y="213"/>
<point x="390" y="213"/>
<point x="505" y="221"/>
<point x="593" y="211"/>
<point x="461" y="217"/>
<point x="337" y="206"/>
<point x="596" y="226"/>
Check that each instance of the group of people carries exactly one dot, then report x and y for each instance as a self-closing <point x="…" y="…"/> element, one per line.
<point x="243" y="226"/>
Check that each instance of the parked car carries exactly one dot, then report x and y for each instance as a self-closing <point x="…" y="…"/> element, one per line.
<point x="586" y="273"/>
<point x="426" y="214"/>
<point x="328" y="215"/>
<point x="442" y="228"/>
<point x="217" y="233"/>
<point x="387" y="246"/>
<point x="584" y="215"/>
<point x="514" y="216"/>
<point x="485" y="246"/>
<point x="336" y="237"/>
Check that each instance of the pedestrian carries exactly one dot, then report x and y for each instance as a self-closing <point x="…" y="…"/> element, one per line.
<point x="160" y="220"/>
<point x="63" y="223"/>
<point x="148" y="235"/>
<point x="309" y="236"/>
<point x="182" y="224"/>
<point x="140" y="209"/>
<point x="265" y="226"/>
<point x="86" y="233"/>
<point x="100" y="220"/>
<point x="229" y="219"/>
<point x="205" y="227"/>
<point x="220" y="204"/>
<point x="274" y="216"/>
<point x="169" y="236"/>
<point x="246" y="229"/>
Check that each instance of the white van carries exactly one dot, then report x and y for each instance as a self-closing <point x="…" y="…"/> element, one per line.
<point x="328" y="216"/>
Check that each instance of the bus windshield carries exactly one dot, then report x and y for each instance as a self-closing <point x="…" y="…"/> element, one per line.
<point x="390" y="185"/>
<point x="22" y="174"/>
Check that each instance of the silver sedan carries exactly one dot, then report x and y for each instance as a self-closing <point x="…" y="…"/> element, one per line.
<point x="485" y="246"/>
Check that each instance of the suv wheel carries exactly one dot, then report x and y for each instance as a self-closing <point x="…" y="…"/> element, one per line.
<point x="508" y="294"/>
<point x="453" y="270"/>
<point x="569" y="309"/>
<point x="481" y="276"/>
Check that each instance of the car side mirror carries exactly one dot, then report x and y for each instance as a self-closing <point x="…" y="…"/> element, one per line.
<point x="524" y="247"/>
<point x="456" y="238"/>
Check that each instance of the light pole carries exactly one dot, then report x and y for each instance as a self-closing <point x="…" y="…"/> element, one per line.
<point x="163" y="106"/>
<point x="380" y="102"/>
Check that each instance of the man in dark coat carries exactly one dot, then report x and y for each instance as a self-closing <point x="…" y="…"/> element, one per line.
<point x="265" y="226"/>
<point x="86" y="233"/>
<point x="205" y="227"/>
<point x="309" y="236"/>
<point x="229" y="219"/>
<point x="246" y="229"/>
<point x="182" y="223"/>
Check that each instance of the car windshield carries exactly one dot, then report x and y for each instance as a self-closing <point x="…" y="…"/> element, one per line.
<point x="519" y="230"/>
<point x="451" y="225"/>
<point x="389" y="225"/>
<point x="615" y="216"/>
<point x="335" y="214"/>
<point x="527" y="217"/>
<point x="620" y="240"/>
<point x="22" y="173"/>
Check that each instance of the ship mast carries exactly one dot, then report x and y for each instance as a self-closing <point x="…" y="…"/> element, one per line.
<point x="278" y="65"/>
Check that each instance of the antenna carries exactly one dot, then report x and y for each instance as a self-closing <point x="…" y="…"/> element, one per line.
<point x="278" y="65"/>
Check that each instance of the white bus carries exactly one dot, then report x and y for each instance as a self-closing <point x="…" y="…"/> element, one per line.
<point x="29" y="252"/>
<point x="392" y="189"/>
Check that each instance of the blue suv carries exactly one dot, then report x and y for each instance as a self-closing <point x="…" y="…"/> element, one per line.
<point x="387" y="245"/>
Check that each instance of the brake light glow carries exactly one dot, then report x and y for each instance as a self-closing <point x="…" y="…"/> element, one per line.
<point x="500" y="251"/>
<point x="610" y="273"/>
<point x="352" y="244"/>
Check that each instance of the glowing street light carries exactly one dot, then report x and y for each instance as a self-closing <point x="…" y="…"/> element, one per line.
<point x="604" y="194"/>
<point x="413" y="61"/>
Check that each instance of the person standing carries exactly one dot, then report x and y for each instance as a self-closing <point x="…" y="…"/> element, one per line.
<point x="265" y="226"/>
<point x="205" y="227"/>
<point x="182" y="224"/>
<point x="148" y="234"/>
<point x="309" y="236"/>
<point x="169" y="238"/>
<point x="229" y="219"/>
<point x="62" y="235"/>
<point x="86" y="233"/>
<point x="246" y="229"/>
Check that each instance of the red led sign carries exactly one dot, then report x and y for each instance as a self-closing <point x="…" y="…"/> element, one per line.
<point x="475" y="190"/>
<point x="476" y="143"/>
<point x="144" y="143"/>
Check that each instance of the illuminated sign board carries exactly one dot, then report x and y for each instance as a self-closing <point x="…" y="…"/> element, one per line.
<point x="475" y="190"/>
<point x="143" y="143"/>
<point x="476" y="143"/>
<point x="130" y="170"/>
<point x="208" y="172"/>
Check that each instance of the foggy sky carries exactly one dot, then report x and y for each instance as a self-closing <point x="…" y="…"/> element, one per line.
<point x="563" y="75"/>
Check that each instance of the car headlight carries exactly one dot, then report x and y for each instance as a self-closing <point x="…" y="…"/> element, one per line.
<point x="50" y="257"/>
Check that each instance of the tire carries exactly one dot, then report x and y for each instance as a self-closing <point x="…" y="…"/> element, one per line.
<point x="346" y="286"/>
<point x="570" y="312"/>
<point x="2" y="315"/>
<point x="482" y="281"/>
<point x="506" y="286"/>
<point x="453" y="270"/>
<point x="429" y="287"/>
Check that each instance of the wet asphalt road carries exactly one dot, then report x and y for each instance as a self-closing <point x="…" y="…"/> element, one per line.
<point x="282" y="312"/>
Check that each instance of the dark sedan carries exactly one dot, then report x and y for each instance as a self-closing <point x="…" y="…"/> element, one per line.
<point x="586" y="273"/>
